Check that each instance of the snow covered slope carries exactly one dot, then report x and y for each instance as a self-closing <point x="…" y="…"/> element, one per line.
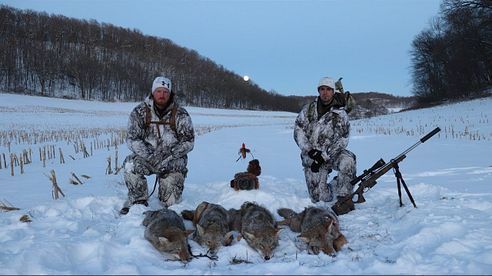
<point x="82" y="233"/>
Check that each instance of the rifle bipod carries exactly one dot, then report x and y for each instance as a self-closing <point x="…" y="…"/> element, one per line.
<point x="369" y="178"/>
<point x="399" y="183"/>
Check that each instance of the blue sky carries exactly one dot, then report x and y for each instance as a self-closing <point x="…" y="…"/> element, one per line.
<point x="285" y="46"/>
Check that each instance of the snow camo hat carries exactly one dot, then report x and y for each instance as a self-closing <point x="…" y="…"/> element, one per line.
<point x="161" y="82"/>
<point x="327" y="81"/>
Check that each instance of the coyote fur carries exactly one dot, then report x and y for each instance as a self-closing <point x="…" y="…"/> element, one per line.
<point x="211" y="223"/>
<point x="165" y="230"/>
<point x="259" y="229"/>
<point x="319" y="228"/>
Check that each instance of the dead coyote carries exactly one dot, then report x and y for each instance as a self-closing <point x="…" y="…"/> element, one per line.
<point x="211" y="223"/>
<point x="319" y="228"/>
<point x="259" y="229"/>
<point x="165" y="230"/>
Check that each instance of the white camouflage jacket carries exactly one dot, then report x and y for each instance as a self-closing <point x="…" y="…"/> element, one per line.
<point x="329" y="134"/>
<point x="158" y="144"/>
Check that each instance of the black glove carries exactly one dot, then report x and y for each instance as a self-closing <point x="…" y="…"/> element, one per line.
<point x="316" y="156"/>
<point x="315" y="166"/>
<point x="317" y="160"/>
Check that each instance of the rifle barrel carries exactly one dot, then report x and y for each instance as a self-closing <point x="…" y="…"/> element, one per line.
<point x="430" y="134"/>
<point x="422" y="140"/>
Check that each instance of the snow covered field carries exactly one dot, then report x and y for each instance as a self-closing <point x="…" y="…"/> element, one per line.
<point x="450" y="177"/>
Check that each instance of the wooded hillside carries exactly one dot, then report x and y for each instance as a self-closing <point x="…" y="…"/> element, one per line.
<point x="56" y="56"/>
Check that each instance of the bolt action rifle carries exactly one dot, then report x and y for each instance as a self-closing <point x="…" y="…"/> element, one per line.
<point x="368" y="179"/>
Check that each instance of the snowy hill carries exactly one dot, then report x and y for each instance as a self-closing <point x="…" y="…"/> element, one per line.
<point x="450" y="231"/>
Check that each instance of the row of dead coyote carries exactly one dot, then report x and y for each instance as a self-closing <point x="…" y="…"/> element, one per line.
<point x="214" y="227"/>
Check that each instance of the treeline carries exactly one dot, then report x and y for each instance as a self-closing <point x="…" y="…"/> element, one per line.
<point x="452" y="59"/>
<point x="57" y="56"/>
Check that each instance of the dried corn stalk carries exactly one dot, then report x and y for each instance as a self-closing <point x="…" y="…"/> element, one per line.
<point x="6" y="206"/>
<point x="75" y="180"/>
<point x="56" y="189"/>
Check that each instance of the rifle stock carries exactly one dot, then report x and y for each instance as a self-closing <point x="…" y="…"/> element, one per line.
<point x="368" y="178"/>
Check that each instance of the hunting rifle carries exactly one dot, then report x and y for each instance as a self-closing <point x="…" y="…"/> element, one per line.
<point x="368" y="179"/>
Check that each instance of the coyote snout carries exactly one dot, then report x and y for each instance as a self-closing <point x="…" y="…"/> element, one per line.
<point x="212" y="226"/>
<point x="259" y="229"/>
<point x="166" y="232"/>
<point x="319" y="228"/>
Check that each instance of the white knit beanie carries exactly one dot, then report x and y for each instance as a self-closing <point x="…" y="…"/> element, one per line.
<point x="161" y="82"/>
<point x="327" y="81"/>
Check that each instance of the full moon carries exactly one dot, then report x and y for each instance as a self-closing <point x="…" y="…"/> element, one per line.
<point x="246" y="78"/>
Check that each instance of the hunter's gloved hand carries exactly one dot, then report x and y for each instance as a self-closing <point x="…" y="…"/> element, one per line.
<point x="161" y="163"/>
<point x="315" y="166"/>
<point x="159" y="155"/>
<point x="142" y="167"/>
<point x="316" y="156"/>
<point x="318" y="160"/>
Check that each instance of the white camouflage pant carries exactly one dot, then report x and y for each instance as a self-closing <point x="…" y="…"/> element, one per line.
<point x="339" y="186"/>
<point x="170" y="184"/>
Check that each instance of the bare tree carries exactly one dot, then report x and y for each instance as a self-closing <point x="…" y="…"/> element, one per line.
<point x="453" y="58"/>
